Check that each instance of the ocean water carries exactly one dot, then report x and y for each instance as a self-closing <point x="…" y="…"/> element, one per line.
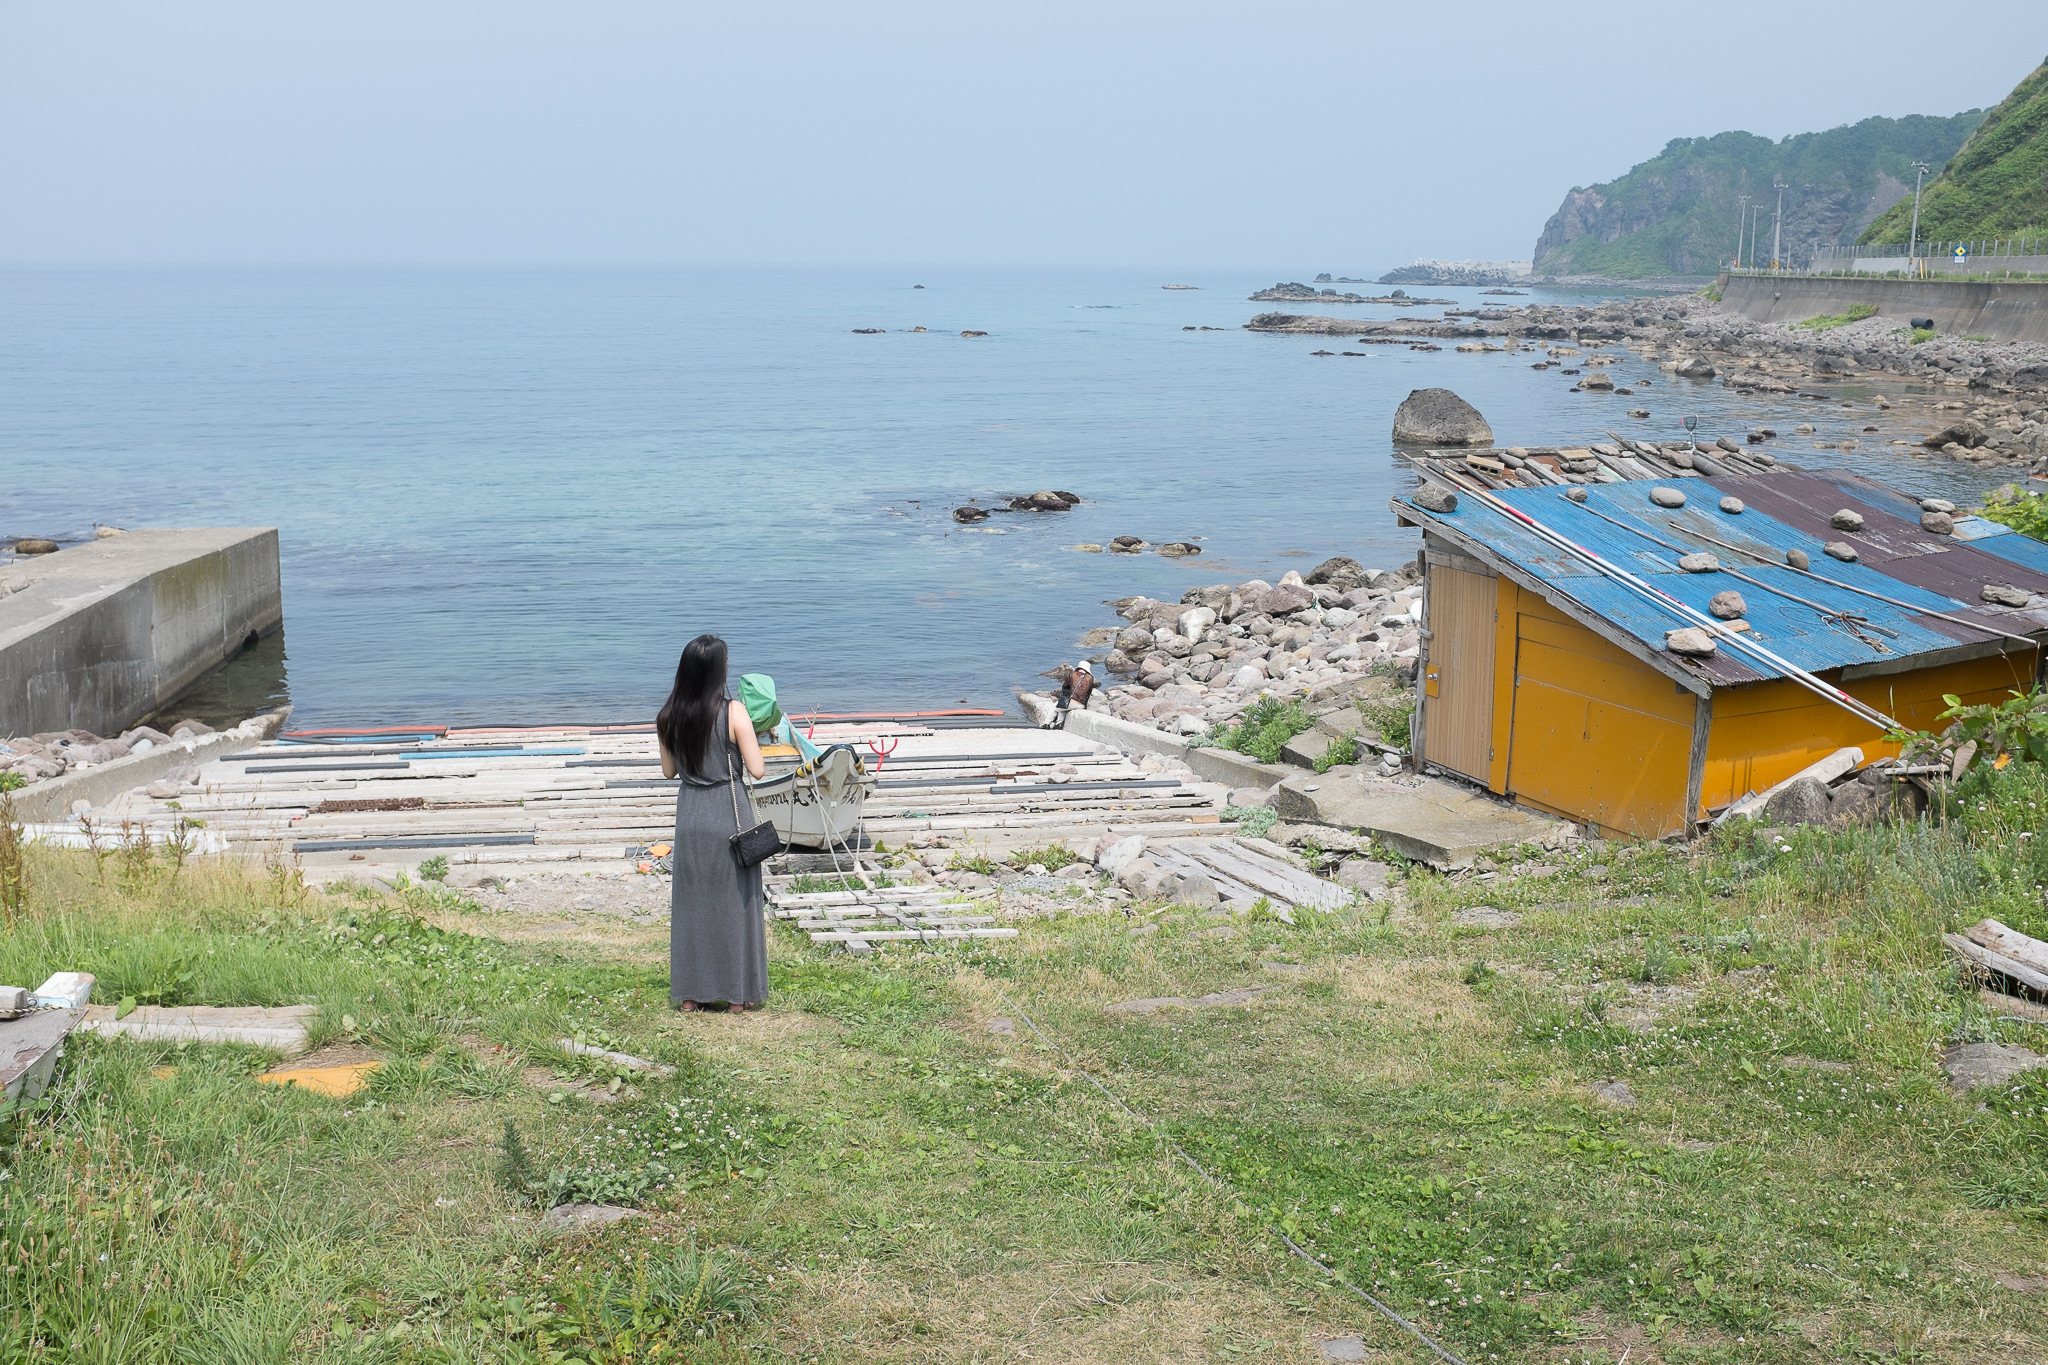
<point x="510" y="496"/>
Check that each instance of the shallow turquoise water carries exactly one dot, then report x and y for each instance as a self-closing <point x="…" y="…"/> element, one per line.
<point x="511" y="496"/>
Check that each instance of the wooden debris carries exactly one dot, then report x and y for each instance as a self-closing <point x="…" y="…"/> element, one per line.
<point x="1989" y="960"/>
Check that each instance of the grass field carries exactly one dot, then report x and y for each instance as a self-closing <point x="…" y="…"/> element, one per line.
<point x="890" y="1164"/>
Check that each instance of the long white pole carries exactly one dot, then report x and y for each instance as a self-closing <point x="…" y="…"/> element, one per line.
<point x="1826" y="691"/>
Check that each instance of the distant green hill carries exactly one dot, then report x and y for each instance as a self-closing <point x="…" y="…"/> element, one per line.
<point x="1996" y="186"/>
<point x="1676" y="213"/>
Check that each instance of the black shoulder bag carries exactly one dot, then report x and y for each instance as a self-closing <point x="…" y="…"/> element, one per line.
<point x="750" y="846"/>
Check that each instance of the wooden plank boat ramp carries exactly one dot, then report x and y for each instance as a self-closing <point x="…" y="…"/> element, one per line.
<point x="515" y="802"/>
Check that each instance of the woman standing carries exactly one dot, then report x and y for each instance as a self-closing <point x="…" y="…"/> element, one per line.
<point x="717" y="943"/>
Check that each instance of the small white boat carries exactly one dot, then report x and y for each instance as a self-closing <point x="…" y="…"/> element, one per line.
<point x="815" y="804"/>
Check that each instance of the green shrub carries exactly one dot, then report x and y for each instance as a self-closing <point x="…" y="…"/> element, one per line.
<point x="1855" y="312"/>
<point x="1253" y="821"/>
<point x="1393" y="717"/>
<point x="434" y="869"/>
<point x="12" y="782"/>
<point x="1923" y="334"/>
<point x="1052" y="857"/>
<point x="2026" y="513"/>
<point x="1265" y="729"/>
<point x="1343" y="750"/>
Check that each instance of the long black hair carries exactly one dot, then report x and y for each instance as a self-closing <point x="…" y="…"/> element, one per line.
<point x="690" y="715"/>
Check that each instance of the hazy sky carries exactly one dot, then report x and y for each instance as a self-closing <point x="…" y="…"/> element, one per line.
<point x="1349" y="137"/>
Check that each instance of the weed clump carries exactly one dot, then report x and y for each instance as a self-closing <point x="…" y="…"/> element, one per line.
<point x="1341" y="751"/>
<point x="1264" y="729"/>
<point x="1252" y="821"/>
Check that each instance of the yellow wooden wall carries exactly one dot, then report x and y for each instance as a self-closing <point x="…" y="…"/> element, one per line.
<point x="1765" y="732"/>
<point x="1583" y="729"/>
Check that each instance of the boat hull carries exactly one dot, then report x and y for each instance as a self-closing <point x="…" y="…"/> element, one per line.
<point x="817" y="804"/>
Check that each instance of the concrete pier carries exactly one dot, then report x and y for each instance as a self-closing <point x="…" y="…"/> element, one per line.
<point x="96" y="636"/>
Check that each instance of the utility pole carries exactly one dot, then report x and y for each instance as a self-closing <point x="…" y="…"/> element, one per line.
<point x="1741" y="222"/>
<point x="1913" y="247"/>
<point x="1778" y="220"/>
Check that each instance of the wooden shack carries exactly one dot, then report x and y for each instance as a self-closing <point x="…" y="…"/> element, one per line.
<point x="1548" y="680"/>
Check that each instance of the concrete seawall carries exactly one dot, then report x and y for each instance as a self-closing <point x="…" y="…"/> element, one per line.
<point x="2014" y="311"/>
<point x="96" y="636"/>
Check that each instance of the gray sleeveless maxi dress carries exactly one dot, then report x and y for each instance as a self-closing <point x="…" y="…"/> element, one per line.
<point x="717" y="941"/>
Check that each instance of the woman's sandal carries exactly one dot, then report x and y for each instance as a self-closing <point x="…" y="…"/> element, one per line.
<point x="684" y="1005"/>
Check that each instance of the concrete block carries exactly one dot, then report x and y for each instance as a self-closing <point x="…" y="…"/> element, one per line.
<point x="1211" y="764"/>
<point x="283" y="1028"/>
<point x="1426" y="819"/>
<point x="1304" y="749"/>
<point x="106" y="632"/>
<point x="65" y="990"/>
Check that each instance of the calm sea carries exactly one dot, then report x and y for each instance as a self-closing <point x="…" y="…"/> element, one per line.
<point x="511" y="495"/>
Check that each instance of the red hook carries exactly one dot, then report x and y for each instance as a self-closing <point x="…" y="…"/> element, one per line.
<point x="882" y="754"/>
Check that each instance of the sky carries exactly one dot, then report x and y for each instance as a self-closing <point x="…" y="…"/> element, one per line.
<point x="1347" y="136"/>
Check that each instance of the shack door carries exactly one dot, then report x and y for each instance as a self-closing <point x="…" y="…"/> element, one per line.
<point x="1457" y="687"/>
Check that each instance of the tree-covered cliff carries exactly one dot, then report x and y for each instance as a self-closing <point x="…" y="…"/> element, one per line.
<point x="1996" y="186"/>
<point x="1676" y="214"/>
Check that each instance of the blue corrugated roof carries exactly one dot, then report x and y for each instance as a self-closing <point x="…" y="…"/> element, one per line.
<point x="1790" y="629"/>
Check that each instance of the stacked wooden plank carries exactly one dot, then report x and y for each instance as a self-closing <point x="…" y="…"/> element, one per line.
<point x="1247" y="871"/>
<point x="922" y="913"/>
<point x="561" y="794"/>
<point x="1619" y="459"/>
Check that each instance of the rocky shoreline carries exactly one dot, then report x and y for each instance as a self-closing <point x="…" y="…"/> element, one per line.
<point x="1301" y="293"/>
<point x="38" y="758"/>
<point x="1987" y="401"/>
<point x="1341" y="633"/>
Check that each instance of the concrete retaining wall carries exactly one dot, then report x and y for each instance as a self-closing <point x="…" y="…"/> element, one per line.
<point x="1210" y="764"/>
<point x="2016" y="311"/>
<point x="96" y="636"/>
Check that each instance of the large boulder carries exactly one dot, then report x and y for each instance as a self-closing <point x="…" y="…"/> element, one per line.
<point x="1438" y="417"/>
<point x="1968" y="433"/>
<point x="1695" y="367"/>
<point x="1339" y="572"/>
<point x="1285" y="600"/>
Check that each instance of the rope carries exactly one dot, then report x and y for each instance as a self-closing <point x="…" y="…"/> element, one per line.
<point x="1856" y="625"/>
<point x="1657" y="596"/>
<point x="1851" y="587"/>
<point x="1293" y="1247"/>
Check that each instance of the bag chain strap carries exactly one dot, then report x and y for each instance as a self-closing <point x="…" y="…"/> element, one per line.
<point x="732" y="785"/>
